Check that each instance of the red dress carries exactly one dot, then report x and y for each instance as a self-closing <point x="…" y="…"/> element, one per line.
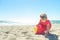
<point x="42" y="26"/>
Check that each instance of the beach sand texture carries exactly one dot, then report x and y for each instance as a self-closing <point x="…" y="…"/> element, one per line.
<point x="25" y="32"/>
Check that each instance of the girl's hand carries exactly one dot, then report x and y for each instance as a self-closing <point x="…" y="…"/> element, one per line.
<point x="46" y="34"/>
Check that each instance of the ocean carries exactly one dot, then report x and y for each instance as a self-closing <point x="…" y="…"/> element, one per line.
<point x="55" y="21"/>
<point x="15" y="23"/>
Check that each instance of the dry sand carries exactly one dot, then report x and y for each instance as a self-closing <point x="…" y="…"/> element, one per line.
<point x="25" y="32"/>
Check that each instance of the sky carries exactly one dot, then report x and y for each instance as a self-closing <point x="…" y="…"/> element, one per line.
<point x="28" y="11"/>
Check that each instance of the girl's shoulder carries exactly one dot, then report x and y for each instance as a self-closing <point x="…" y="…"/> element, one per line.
<point x="48" y="20"/>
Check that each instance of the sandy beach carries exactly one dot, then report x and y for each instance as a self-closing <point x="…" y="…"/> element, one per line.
<point x="25" y="32"/>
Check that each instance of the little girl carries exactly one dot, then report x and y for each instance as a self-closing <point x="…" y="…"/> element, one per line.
<point x="44" y="25"/>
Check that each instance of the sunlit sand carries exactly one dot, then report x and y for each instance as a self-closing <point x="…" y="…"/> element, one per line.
<point x="25" y="32"/>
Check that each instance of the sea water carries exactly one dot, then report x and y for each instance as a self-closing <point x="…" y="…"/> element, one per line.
<point x="55" y="21"/>
<point x="14" y="23"/>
